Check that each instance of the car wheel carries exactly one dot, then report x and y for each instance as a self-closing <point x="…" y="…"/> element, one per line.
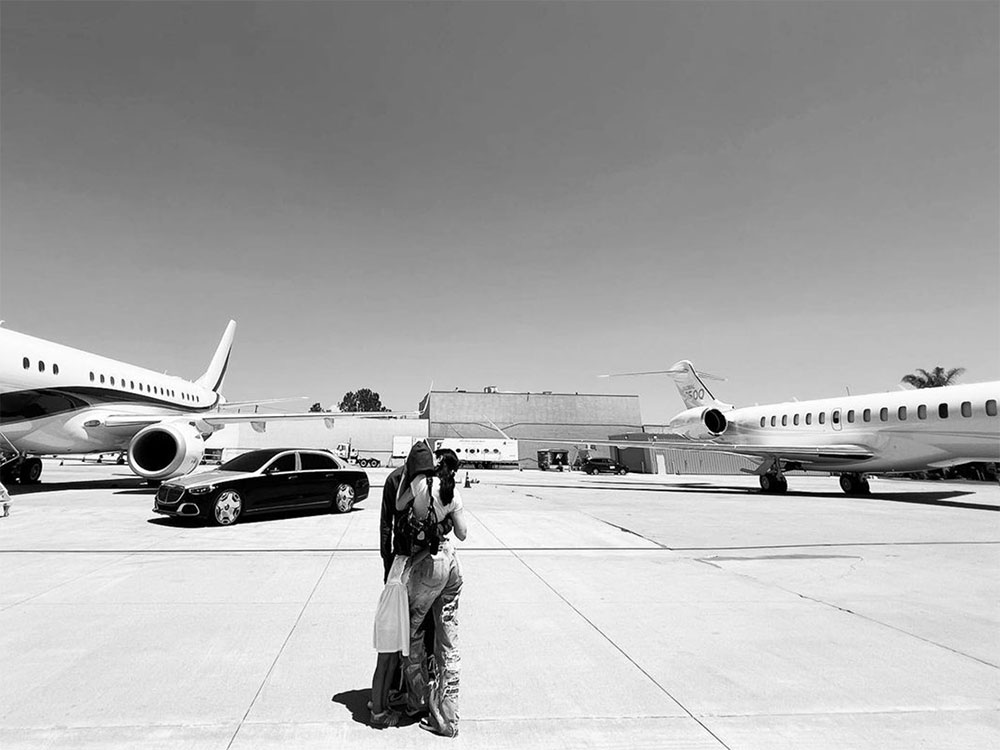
<point x="227" y="508"/>
<point x="623" y="471"/>
<point x="591" y="471"/>
<point x="343" y="501"/>
<point x="374" y="463"/>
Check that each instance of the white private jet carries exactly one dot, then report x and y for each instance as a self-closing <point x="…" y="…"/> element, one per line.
<point x="56" y="399"/>
<point x="878" y="433"/>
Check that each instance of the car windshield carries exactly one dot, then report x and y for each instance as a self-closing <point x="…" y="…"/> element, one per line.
<point x="247" y="462"/>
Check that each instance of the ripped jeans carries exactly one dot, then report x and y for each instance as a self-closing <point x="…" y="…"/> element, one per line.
<point x="434" y="586"/>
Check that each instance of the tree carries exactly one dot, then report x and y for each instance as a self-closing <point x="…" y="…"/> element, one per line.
<point x="316" y="407"/>
<point x="364" y="399"/>
<point x="933" y="379"/>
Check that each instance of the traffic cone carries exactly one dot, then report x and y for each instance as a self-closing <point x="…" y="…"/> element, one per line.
<point x="468" y="484"/>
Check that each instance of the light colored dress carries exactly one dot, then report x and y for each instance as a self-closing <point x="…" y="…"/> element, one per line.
<point x="392" y="616"/>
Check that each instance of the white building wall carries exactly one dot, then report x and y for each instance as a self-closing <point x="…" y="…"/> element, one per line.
<point x="372" y="437"/>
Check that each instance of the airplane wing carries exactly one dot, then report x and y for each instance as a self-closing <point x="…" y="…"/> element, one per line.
<point x="804" y="454"/>
<point x="220" y="419"/>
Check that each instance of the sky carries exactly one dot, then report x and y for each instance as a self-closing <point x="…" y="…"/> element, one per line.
<point x="802" y="197"/>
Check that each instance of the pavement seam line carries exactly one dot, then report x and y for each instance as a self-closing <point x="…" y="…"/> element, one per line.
<point x="125" y="554"/>
<point x="837" y="607"/>
<point x="288" y="637"/>
<point x="609" y="640"/>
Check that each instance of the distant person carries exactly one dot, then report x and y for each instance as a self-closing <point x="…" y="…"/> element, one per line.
<point x="4" y="500"/>
<point x="434" y="587"/>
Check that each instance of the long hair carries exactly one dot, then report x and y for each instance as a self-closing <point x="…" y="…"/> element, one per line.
<point x="447" y="478"/>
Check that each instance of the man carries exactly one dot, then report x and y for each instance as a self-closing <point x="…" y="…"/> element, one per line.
<point x="419" y="461"/>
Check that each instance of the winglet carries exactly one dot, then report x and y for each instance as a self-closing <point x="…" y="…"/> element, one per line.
<point x="213" y="376"/>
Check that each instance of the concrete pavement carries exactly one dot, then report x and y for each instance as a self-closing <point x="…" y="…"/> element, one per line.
<point x="646" y="612"/>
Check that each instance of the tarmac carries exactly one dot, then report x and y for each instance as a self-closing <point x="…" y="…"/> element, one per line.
<point x="598" y="612"/>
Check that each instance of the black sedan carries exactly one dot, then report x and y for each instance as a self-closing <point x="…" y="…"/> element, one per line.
<point x="276" y="479"/>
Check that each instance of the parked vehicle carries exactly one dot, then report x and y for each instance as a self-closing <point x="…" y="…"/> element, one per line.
<point x="350" y="454"/>
<point x="482" y="453"/>
<point x="603" y="466"/>
<point x="274" y="479"/>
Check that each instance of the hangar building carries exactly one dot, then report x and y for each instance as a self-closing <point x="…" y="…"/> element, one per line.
<point x="522" y="415"/>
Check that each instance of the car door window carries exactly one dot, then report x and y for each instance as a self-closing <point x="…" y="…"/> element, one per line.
<point x="282" y="463"/>
<point x="317" y="462"/>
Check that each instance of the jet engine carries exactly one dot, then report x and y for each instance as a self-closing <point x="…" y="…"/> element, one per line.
<point x="165" y="450"/>
<point x="700" y="423"/>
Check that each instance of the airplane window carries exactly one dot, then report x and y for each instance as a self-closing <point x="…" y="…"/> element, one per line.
<point x="795" y="419"/>
<point x="131" y="384"/>
<point x="102" y="378"/>
<point x="809" y="418"/>
<point x="850" y="415"/>
<point x="112" y="380"/>
<point x="822" y="417"/>
<point x="966" y="408"/>
<point x="991" y="408"/>
<point x="41" y="366"/>
<point x="91" y="377"/>
<point x="922" y="411"/>
<point x="774" y="422"/>
<point x="835" y="416"/>
<point x="762" y="421"/>
<point x="27" y="364"/>
<point x="867" y="415"/>
<point x="901" y="413"/>
<point x="943" y="411"/>
<point x="883" y="414"/>
<point x="55" y="369"/>
<point x="784" y="420"/>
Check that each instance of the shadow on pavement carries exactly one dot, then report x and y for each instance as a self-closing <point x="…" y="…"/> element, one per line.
<point x="356" y="701"/>
<point x="133" y="485"/>
<point x="263" y="517"/>
<point x="941" y="498"/>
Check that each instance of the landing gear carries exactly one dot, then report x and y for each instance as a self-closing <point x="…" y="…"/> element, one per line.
<point x="773" y="484"/>
<point x="23" y="469"/>
<point x="855" y="484"/>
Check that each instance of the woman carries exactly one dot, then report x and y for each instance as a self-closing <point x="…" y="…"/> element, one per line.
<point x="435" y="584"/>
<point x="392" y="621"/>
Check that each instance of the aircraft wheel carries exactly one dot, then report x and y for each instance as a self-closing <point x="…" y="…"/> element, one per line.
<point x="227" y="508"/>
<point x="343" y="500"/>
<point x="768" y="482"/>
<point x="781" y="485"/>
<point x="31" y="471"/>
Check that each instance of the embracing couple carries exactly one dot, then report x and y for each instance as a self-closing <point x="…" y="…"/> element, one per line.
<point x="416" y="622"/>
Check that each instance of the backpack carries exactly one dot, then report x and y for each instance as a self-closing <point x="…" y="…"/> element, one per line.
<point x="412" y="535"/>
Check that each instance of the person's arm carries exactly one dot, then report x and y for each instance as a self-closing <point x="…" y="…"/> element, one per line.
<point x="461" y="527"/>
<point x="385" y="524"/>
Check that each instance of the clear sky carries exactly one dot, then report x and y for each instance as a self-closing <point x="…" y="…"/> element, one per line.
<point x="801" y="196"/>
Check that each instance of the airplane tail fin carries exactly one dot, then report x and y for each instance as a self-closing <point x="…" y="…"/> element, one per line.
<point x="213" y="376"/>
<point x="690" y="384"/>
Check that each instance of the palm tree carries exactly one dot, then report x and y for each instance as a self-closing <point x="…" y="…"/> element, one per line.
<point x="933" y="379"/>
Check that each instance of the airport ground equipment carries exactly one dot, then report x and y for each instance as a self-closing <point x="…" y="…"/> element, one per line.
<point x="482" y="453"/>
